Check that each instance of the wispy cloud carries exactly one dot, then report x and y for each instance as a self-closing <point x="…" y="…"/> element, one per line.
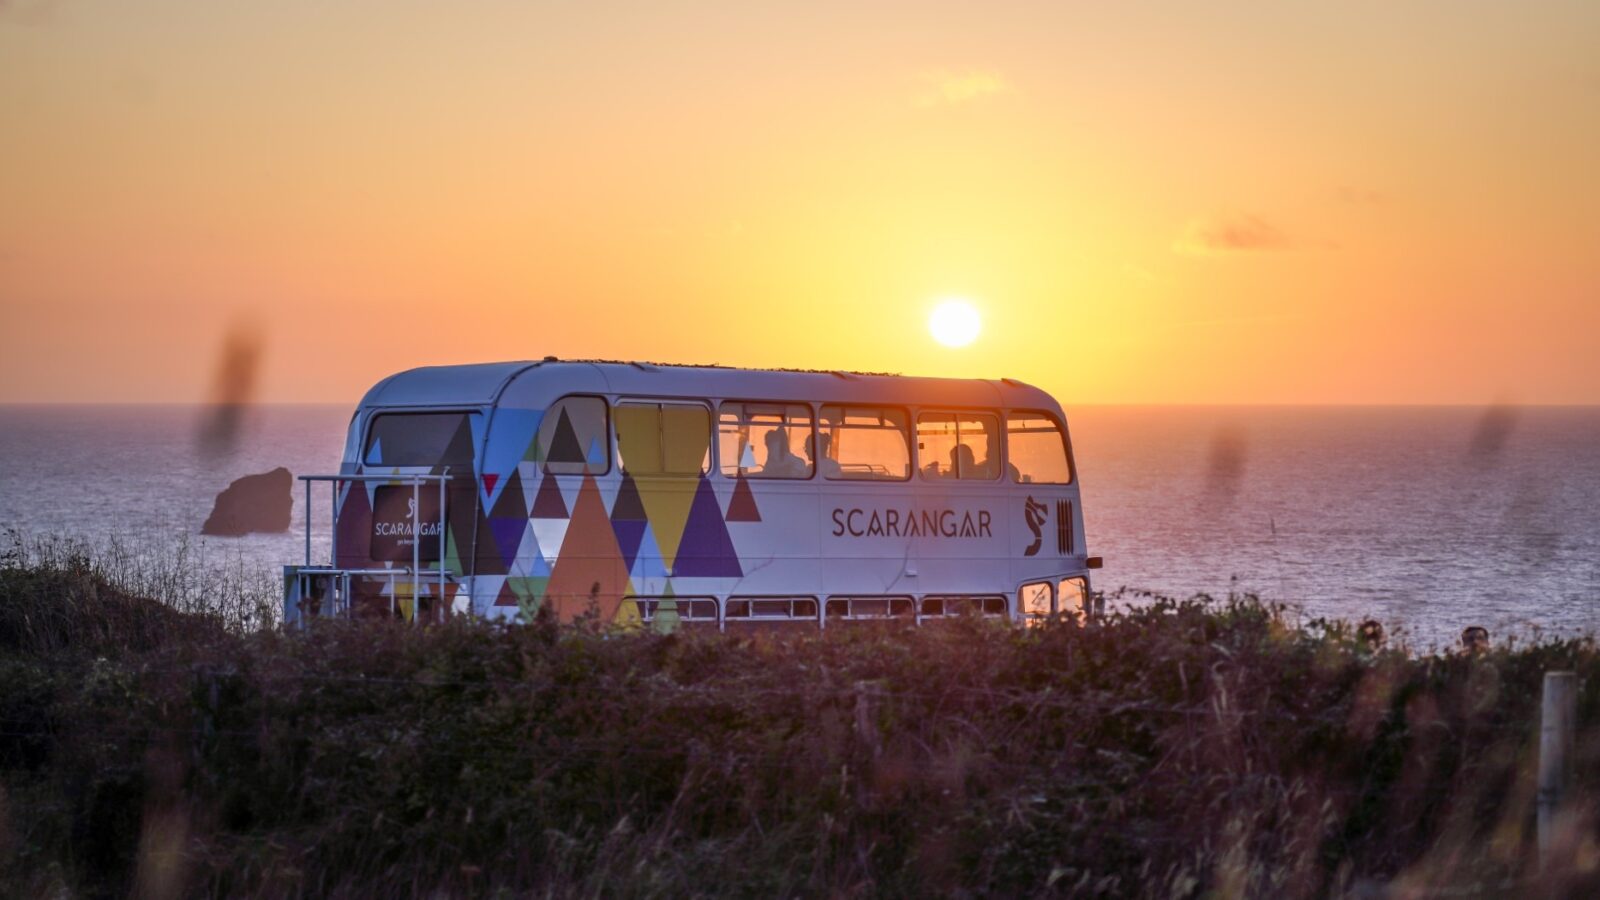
<point x="948" y="87"/>
<point x="1232" y="234"/>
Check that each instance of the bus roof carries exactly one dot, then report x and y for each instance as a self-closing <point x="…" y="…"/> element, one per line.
<point x="482" y="384"/>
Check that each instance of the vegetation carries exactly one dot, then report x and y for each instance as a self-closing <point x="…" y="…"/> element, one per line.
<point x="1182" y="749"/>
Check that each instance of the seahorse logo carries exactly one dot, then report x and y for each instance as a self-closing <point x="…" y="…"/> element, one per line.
<point x="411" y="508"/>
<point x="1036" y="513"/>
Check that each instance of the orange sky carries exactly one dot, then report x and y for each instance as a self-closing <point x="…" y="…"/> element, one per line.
<point x="1189" y="202"/>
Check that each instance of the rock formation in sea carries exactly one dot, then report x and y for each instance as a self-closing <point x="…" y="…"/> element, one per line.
<point x="253" y="504"/>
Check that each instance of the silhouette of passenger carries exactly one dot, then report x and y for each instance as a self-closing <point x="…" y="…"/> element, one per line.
<point x="963" y="464"/>
<point x="826" y="464"/>
<point x="781" y="461"/>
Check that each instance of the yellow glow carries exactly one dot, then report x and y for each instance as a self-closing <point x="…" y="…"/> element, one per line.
<point x="954" y="323"/>
<point x="1379" y="221"/>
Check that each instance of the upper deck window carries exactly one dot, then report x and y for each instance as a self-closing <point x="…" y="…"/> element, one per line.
<point x="959" y="445"/>
<point x="420" y="439"/>
<point x="572" y="437"/>
<point x="764" y="440"/>
<point x="863" y="443"/>
<point x="663" y="438"/>
<point x="1037" y="449"/>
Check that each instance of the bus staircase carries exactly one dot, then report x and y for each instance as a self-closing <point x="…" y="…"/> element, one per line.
<point x="328" y="591"/>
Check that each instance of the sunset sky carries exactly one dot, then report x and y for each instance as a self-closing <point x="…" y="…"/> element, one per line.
<point x="1362" y="202"/>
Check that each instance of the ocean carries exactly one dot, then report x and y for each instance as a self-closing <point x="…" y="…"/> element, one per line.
<point x="1426" y="518"/>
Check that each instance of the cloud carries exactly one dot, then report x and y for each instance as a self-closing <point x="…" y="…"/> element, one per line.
<point x="947" y="87"/>
<point x="1232" y="234"/>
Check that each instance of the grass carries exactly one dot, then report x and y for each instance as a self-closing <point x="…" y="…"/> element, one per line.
<point x="1181" y="749"/>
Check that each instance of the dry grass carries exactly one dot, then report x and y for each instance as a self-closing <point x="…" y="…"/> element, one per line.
<point x="1182" y="749"/>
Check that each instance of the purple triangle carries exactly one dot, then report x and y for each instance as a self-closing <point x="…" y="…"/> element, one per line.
<point x="630" y="534"/>
<point x="548" y="503"/>
<point x="507" y="536"/>
<point x="629" y="507"/>
<point x="706" y="550"/>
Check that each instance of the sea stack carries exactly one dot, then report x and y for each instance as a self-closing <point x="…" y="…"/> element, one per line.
<point x="253" y="504"/>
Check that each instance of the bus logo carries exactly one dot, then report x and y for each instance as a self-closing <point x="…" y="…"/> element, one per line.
<point x="1035" y="513"/>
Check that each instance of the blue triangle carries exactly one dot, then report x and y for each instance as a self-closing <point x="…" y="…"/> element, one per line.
<point x="375" y="454"/>
<point x="647" y="561"/>
<point x="509" y="435"/>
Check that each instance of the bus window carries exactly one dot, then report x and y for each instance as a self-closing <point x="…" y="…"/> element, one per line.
<point x="863" y="444"/>
<point x="1072" y="595"/>
<point x="764" y="440"/>
<point x="663" y="438"/>
<point x="869" y="608"/>
<point x="1034" y="599"/>
<point x="1038" y="450"/>
<point x="572" y="437"/>
<point x="420" y="439"/>
<point x="746" y="608"/>
<point x="958" y="445"/>
<point x="963" y="605"/>
<point x="682" y="609"/>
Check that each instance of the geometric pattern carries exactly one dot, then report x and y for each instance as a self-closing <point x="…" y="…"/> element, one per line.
<point x="538" y="543"/>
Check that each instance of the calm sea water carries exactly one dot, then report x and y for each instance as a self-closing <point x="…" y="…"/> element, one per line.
<point x="1427" y="518"/>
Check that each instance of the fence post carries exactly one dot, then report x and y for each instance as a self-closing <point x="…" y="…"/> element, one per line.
<point x="1557" y="736"/>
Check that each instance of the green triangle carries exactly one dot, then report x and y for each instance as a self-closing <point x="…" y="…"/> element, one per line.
<point x="666" y="619"/>
<point x="530" y="589"/>
<point x="452" y="558"/>
<point x="535" y="453"/>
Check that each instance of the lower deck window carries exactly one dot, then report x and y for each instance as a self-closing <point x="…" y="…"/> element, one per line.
<point x="870" y="607"/>
<point x="948" y="606"/>
<point x="687" y="609"/>
<point x="769" y="608"/>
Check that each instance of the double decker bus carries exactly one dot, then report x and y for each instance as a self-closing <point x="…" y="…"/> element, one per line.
<point x="670" y="496"/>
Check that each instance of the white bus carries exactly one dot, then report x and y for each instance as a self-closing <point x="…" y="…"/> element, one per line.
<point x="671" y="496"/>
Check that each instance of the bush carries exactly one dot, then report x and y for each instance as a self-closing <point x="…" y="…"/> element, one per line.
<point x="1180" y="749"/>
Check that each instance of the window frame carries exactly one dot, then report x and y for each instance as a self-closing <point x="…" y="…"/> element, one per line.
<point x="1000" y="442"/>
<point x="707" y="404"/>
<point x="657" y="599"/>
<point x="909" y="435"/>
<point x="1061" y="431"/>
<point x="716" y="435"/>
<point x="605" y="403"/>
<point x="850" y="615"/>
<point x="979" y="599"/>
<point x="813" y="619"/>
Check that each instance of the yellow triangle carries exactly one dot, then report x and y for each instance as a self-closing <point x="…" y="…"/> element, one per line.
<point x="666" y="504"/>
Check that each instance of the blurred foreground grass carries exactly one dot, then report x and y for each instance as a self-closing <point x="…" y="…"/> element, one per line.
<point x="1179" y="749"/>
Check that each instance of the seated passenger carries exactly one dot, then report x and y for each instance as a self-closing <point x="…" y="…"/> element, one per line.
<point x="962" y="463"/>
<point x="781" y="461"/>
<point x="826" y="465"/>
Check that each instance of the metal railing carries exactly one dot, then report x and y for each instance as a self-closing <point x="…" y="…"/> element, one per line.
<point x="416" y="481"/>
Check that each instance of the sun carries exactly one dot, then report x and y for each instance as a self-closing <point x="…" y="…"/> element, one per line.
<point x="954" y="323"/>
